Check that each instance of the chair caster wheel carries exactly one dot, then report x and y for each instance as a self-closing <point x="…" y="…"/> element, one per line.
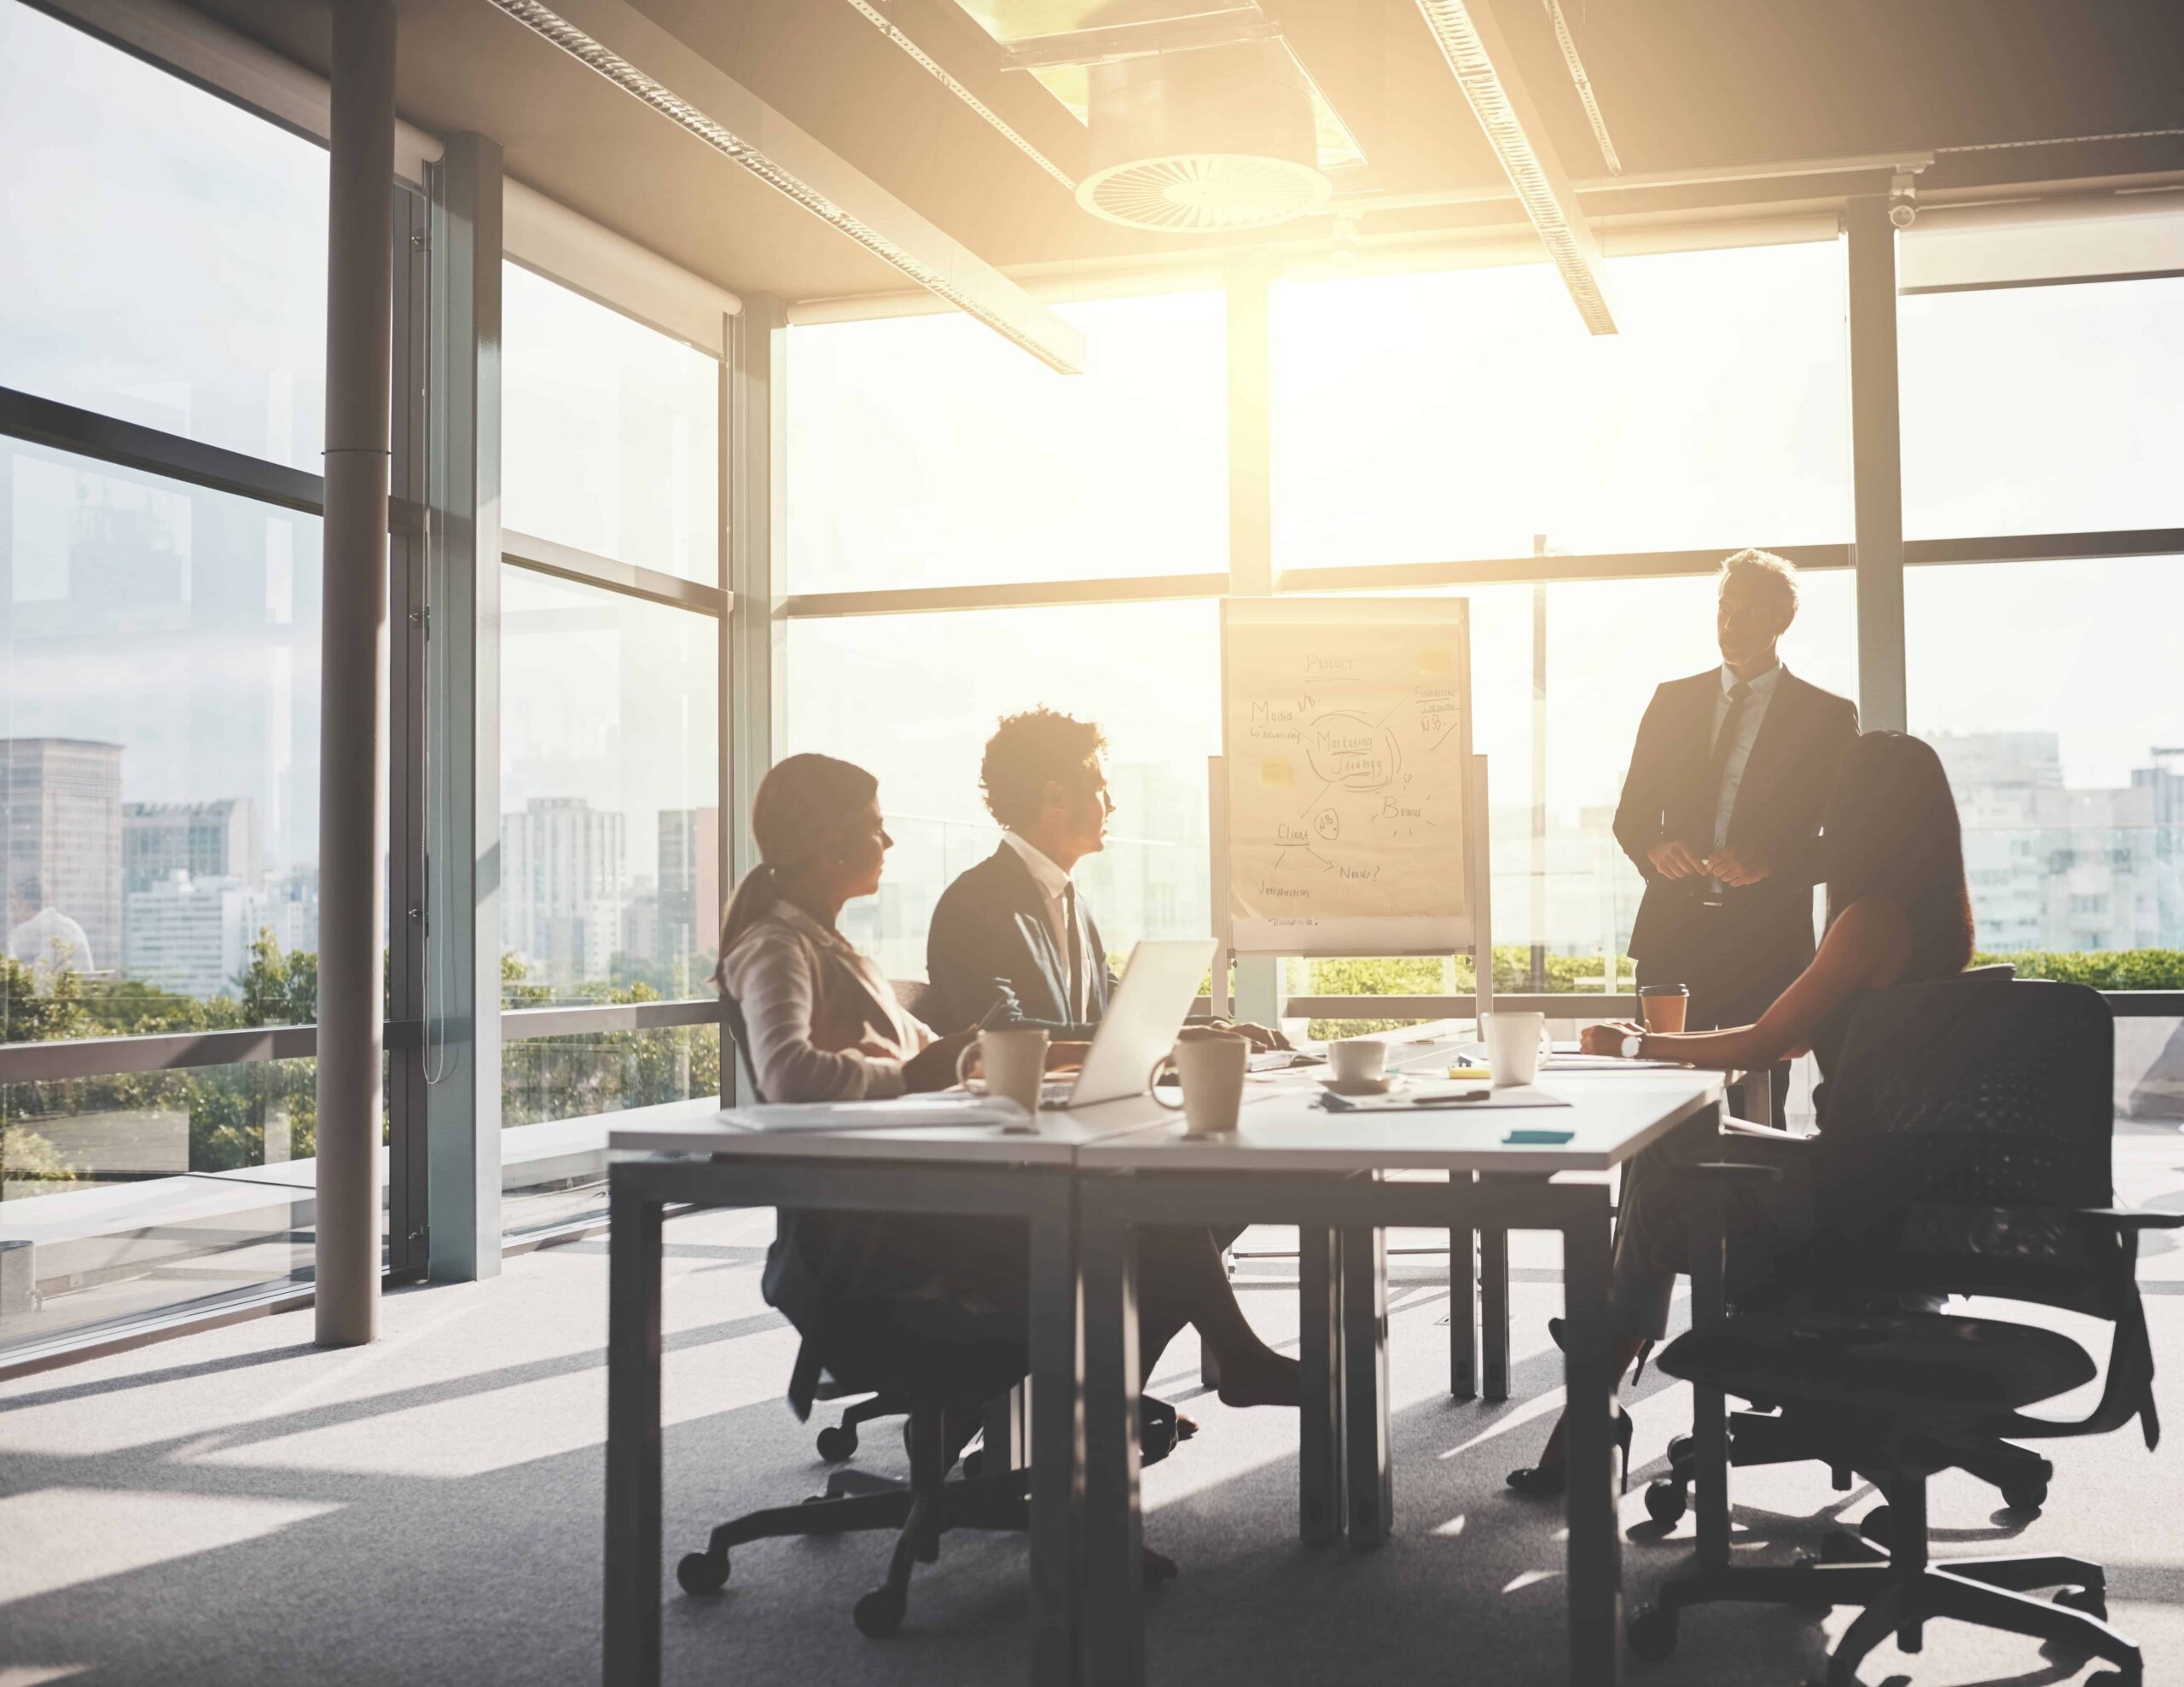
<point x="701" y="1573"/>
<point x="1876" y="1524"/>
<point x="974" y="1465"/>
<point x="1666" y="1502"/>
<point x="837" y="1443"/>
<point x="1651" y="1633"/>
<point x="878" y="1613"/>
<point x="1683" y="1451"/>
<point x="2027" y="1497"/>
<point x="2092" y="1601"/>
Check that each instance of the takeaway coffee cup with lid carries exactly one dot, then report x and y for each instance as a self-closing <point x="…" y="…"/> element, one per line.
<point x="1663" y="1007"/>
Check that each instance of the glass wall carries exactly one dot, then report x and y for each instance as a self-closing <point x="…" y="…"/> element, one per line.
<point x="2043" y="409"/>
<point x="928" y="451"/>
<point x="164" y="265"/>
<point x="610" y="822"/>
<point x="166" y="254"/>
<point x="610" y="432"/>
<point x="1466" y="413"/>
<point x="2050" y="690"/>
<point x="611" y="717"/>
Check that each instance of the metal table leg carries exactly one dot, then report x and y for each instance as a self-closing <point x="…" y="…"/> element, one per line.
<point x="1057" y="1440"/>
<point x="1494" y="1313"/>
<point x="1369" y="1478"/>
<point x="1319" y="1421"/>
<point x="632" y="1649"/>
<point x="1595" y="1551"/>
<point x="1463" y="1293"/>
<point x="1114" y="1611"/>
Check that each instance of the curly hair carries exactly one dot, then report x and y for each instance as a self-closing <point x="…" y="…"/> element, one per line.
<point x="1025" y="752"/>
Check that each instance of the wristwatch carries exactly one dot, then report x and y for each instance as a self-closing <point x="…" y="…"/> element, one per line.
<point x="1632" y="1042"/>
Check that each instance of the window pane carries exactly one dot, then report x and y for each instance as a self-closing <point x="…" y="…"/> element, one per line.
<point x="159" y="732"/>
<point x="863" y="689"/>
<point x="127" y="1195"/>
<point x="2050" y="690"/>
<point x="552" y="1091"/>
<point x="1465" y="413"/>
<point x="610" y="432"/>
<point x="610" y="883"/>
<point x="165" y="252"/>
<point x="2043" y="409"/>
<point x="926" y="450"/>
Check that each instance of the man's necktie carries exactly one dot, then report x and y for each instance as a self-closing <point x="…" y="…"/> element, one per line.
<point x="1725" y="740"/>
<point x="1718" y="770"/>
<point x="1077" y="1009"/>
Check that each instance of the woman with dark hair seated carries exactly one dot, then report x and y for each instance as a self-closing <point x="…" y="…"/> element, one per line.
<point x="823" y="1024"/>
<point x="1902" y="913"/>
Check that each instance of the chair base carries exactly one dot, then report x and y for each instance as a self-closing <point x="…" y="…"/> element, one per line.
<point x="1992" y="1592"/>
<point x="1756" y="1438"/>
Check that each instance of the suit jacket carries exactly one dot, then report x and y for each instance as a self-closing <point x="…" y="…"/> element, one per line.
<point x="1781" y="801"/>
<point x="990" y="939"/>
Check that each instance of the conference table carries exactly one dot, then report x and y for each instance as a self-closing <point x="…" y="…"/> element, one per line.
<point x="1083" y="1181"/>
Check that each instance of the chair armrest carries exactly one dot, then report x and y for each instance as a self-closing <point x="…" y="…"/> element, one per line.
<point x="2130" y="1219"/>
<point x="1744" y="1130"/>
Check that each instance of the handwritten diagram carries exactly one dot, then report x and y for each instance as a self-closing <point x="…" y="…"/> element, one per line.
<point x="1348" y="751"/>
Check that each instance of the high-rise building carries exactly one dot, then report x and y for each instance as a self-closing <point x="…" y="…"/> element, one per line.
<point x="565" y="872"/>
<point x="191" y="935"/>
<point x="215" y="839"/>
<point x="61" y="816"/>
<point x="689" y="883"/>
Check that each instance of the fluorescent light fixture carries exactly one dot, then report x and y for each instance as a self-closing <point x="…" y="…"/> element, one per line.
<point x="1584" y="86"/>
<point x="943" y="267"/>
<point x="1486" y="72"/>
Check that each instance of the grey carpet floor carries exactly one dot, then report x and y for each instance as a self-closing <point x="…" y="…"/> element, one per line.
<point x="242" y="1507"/>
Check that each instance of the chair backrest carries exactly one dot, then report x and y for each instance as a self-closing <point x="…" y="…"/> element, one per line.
<point x="912" y="995"/>
<point x="1968" y="1118"/>
<point x="732" y="1011"/>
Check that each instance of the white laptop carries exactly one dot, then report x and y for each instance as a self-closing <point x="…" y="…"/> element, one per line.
<point x="1159" y="986"/>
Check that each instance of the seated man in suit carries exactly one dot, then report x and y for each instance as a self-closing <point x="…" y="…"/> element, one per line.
<point x="1012" y="929"/>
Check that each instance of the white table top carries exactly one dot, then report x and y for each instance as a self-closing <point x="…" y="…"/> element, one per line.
<point x="699" y="1128"/>
<point x="1611" y="1117"/>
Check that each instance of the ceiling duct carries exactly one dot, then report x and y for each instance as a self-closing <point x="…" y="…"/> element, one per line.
<point x="1204" y="141"/>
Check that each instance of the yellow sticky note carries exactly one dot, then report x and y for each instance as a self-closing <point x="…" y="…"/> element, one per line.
<point x="1274" y="770"/>
<point x="1434" y="659"/>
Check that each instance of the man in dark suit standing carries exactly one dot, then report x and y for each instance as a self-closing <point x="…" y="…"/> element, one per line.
<point x="1722" y="809"/>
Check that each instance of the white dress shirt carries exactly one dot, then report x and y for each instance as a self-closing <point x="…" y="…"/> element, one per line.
<point x="1055" y="886"/>
<point x="1755" y="711"/>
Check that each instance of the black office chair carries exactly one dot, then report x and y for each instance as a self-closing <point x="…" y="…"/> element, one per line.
<point x="1968" y="1151"/>
<point x="2019" y="1474"/>
<point x="837" y="1442"/>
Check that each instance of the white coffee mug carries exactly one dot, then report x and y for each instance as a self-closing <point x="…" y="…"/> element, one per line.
<point x="1357" y="1060"/>
<point x="1209" y="1065"/>
<point x="1015" y="1062"/>
<point x="1512" y="1041"/>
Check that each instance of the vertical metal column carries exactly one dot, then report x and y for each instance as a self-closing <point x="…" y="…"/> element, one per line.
<point x="352" y="743"/>
<point x="461" y="642"/>
<point x="1876" y="464"/>
<point x="1259" y="992"/>
<point x="727" y="514"/>
<point x="757" y="571"/>
<point x="407" y="1173"/>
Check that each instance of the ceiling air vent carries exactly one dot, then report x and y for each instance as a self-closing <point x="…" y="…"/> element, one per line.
<point x="1202" y="142"/>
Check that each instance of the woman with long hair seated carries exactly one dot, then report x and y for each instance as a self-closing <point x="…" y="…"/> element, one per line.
<point x="823" y="1024"/>
<point x="1901" y="915"/>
